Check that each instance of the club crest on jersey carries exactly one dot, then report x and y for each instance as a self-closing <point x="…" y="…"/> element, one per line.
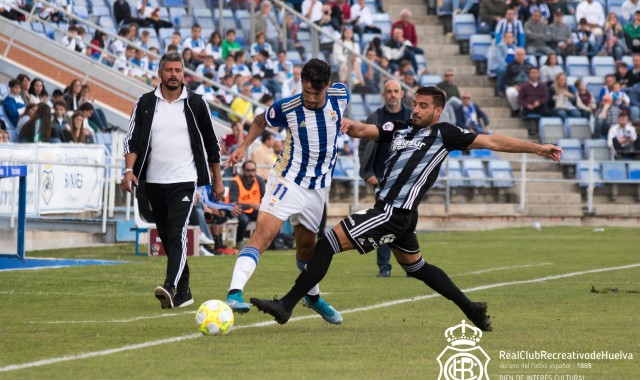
<point x="302" y="124"/>
<point x="388" y="126"/>
<point x="333" y="116"/>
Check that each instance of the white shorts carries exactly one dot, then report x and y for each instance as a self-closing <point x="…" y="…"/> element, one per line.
<point x="285" y="199"/>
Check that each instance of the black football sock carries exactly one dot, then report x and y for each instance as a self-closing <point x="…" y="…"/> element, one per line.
<point x="436" y="279"/>
<point x="217" y="241"/>
<point x="316" y="269"/>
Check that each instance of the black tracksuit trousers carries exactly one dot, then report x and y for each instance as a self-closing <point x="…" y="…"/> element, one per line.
<point x="171" y="207"/>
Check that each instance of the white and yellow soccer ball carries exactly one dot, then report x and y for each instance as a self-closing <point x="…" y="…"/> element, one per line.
<point x="214" y="317"/>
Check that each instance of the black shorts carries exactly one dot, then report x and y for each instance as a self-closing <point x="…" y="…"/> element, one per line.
<point x="382" y="225"/>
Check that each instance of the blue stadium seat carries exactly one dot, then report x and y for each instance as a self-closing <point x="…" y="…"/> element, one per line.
<point x="501" y="173"/>
<point x="614" y="171"/>
<point x="456" y="178"/>
<point x="533" y="60"/>
<point x="634" y="171"/>
<point x="373" y="101"/>
<point x="577" y="128"/>
<point x="571" y="21"/>
<point x="185" y="21"/>
<point x="383" y="16"/>
<point x="81" y="11"/>
<point x="601" y="66"/>
<point x="550" y="129"/>
<point x="578" y="65"/>
<point x="13" y="135"/>
<point x="384" y="26"/>
<point x="481" y="153"/>
<point x="175" y="13"/>
<point x="464" y="26"/>
<point x="100" y="10"/>
<point x="571" y="149"/>
<point x="474" y="170"/>
<point x="430" y="80"/>
<point x="202" y="12"/>
<point x="4" y="90"/>
<point x="543" y="60"/>
<point x="37" y="27"/>
<point x="479" y="45"/>
<point x="594" y="83"/>
<point x="628" y="60"/>
<point x="226" y="13"/>
<point x="205" y="23"/>
<point x="582" y="174"/>
<point x="294" y="57"/>
<point x="601" y="151"/>
<point x="174" y="3"/>
<point x="228" y="23"/>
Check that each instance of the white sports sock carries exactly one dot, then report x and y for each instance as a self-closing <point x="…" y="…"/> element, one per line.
<point x="246" y="264"/>
<point x="301" y="266"/>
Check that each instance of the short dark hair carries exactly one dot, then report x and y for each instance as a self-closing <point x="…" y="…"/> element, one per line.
<point x="317" y="73"/>
<point x="438" y="95"/>
<point x="13" y="83"/>
<point x="266" y="135"/>
<point x="171" y="57"/>
<point x="61" y="103"/>
<point x="244" y="164"/>
<point x="86" y="107"/>
<point x="57" y="92"/>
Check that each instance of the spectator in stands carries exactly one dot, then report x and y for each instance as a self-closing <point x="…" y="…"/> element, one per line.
<point x="542" y="7"/>
<point x="490" y="13"/>
<point x="584" y="39"/>
<point x="13" y="103"/>
<point x="36" y="90"/>
<point x="510" y="24"/>
<point x="122" y="13"/>
<point x="90" y="122"/>
<point x="628" y="9"/>
<point x="246" y="191"/>
<point x="534" y="95"/>
<point x="606" y="116"/>
<point x="448" y="86"/>
<point x="49" y="13"/>
<point x="262" y="155"/>
<point x="312" y="10"/>
<point x="470" y="116"/>
<point x="593" y="13"/>
<point x="264" y="68"/>
<point x="232" y="140"/>
<point x="38" y="129"/>
<point x="397" y="48"/>
<point x="25" y="83"/>
<point x="29" y="111"/>
<point x="266" y="22"/>
<point x="634" y="73"/>
<point x="150" y="12"/>
<point x="408" y="29"/>
<point x="60" y="121"/>
<point x="196" y="43"/>
<point x="344" y="57"/>
<point x="283" y="68"/>
<point x="227" y="68"/>
<point x="330" y="30"/>
<point x="562" y="5"/>
<point x="214" y="47"/>
<point x="230" y="45"/>
<point x="176" y="39"/>
<point x="293" y="85"/>
<point x="261" y="44"/>
<point x="362" y="21"/>
<point x="344" y="9"/>
<point x="223" y="95"/>
<point x="208" y="66"/>
<point x="622" y="74"/>
<point x="56" y="95"/>
<point x="190" y="63"/>
<point x="138" y="65"/>
<point x="134" y="30"/>
<point x="609" y="81"/>
<point x="409" y="79"/>
<point x="614" y="44"/>
<point x="242" y="64"/>
<point x="620" y="98"/>
<point x="537" y="34"/>
<point x="292" y="43"/>
<point x="516" y="74"/>
<point x="622" y="139"/>
<point x="257" y="88"/>
<point x="585" y="101"/>
<point x="97" y="46"/>
<point x="118" y="46"/>
<point x="72" y="95"/>
<point x="370" y="77"/>
<point x="241" y="106"/>
<point x="206" y="90"/>
<point x="632" y="33"/>
<point x="123" y="62"/>
<point x="550" y="70"/>
<point x="72" y="41"/>
<point x="9" y="10"/>
<point x="76" y="132"/>
<point x="502" y="55"/>
<point x="562" y="99"/>
<point x="561" y="35"/>
<point x="634" y="98"/>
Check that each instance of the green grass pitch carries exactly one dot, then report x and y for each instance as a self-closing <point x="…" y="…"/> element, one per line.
<point x="103" y="322"/>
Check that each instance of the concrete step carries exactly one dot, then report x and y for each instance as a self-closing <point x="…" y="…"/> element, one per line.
<point x="553" y="199"/>
<point x="474" y="81"/>
<point x="431" y="49"/>
<point x="562" y="189"/>
<point x="553" y="210"/>
<point x="497" y="112"/>
<point x="617" y="209"/>
<point x="395" y="9"/>
<point x="536" y="175"/>
<point x="515" y="133"/>
<point x="439" y="68"/>
<point x="457" y="60"/>
<point x="509" y="122"/>
<point x="429" y="30"/>
<point x="432" y="39"/>
<point x="477" y="92"/>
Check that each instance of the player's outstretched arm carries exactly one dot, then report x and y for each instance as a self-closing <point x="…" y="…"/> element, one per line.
<point x="258" y="126"/>
<point x="358" y="129"/>
<point x="502" y="143"/>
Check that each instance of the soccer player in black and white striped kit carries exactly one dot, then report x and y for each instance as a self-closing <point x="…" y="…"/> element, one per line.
<point x="418" y="147"/>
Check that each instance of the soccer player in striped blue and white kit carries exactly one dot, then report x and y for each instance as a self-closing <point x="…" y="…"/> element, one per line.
<point x="299" y="180"/>
<point x="418" y="147"/>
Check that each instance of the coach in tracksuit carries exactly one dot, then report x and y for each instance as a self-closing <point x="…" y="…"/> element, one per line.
<point x="172" y="146"/>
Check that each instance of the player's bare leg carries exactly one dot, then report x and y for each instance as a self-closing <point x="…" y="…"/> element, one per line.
<point x="437" y="279"/>
<point x="267" y="227"/>
<point x="305" y="248"/>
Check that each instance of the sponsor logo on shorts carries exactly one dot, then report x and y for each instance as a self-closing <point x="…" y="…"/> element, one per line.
<point x="386" y="239"/>
<point x="361" y="241"/>
<point x="373" y="243"/>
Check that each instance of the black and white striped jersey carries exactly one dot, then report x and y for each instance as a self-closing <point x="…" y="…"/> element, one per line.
<point x="415" y="158"/>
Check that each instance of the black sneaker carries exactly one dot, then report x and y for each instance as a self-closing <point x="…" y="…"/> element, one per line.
<point x="183" y="298"/>
<point x="273" y="307"/>
<point x="165" y="296"/>
<point x="478" y="315"/>
<point x="384" y="274"/>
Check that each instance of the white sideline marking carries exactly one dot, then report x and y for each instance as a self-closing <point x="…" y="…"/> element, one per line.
<point x="134" y="319"/>
<point x="502" y="268"/>
<point x="152" y="343"/>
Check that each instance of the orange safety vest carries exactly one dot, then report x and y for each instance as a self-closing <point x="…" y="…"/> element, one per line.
<point x="245" y="196"/>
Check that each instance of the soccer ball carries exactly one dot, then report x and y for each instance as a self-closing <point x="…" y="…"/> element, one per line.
<point x="214" y="317"/>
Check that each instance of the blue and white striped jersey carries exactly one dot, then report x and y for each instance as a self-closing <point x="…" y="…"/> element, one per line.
<point x="310" y="151"/>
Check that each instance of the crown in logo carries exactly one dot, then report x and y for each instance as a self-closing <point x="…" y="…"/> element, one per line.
<point x="463" y="335"/>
